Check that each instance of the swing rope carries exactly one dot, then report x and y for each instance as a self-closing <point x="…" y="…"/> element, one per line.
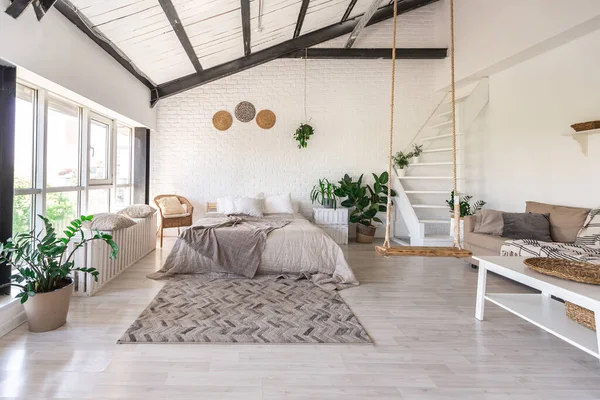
<point x="456" y="239"/>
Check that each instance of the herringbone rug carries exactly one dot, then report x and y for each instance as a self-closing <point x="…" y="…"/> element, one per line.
<point x="194" y="309"/>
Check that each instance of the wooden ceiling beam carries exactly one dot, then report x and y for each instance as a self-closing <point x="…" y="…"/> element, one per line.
<point x="260" y="57"/>
<point x="321" y="53"/>
<point x="245" y="8"/>
<point x="301" y="16"/>
<point x="16" y="8"/>
<point x="363" y="22"/>
<point x="348" y="10"/>
<point x="171" y="13"/>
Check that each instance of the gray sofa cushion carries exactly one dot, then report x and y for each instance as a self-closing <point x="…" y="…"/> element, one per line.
<point x="489" y="222"/>
<point x="527" y="226"/>
<point x="484" y="241"/>
<point x="565" y="222"/>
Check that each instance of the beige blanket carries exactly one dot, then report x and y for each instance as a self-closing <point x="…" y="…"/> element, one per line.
<point x="297" y="249"/>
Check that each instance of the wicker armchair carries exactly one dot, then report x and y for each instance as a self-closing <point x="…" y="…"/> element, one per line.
<point x="174" y="222"/>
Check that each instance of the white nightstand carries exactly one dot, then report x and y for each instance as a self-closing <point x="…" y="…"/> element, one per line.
<point x="333" y="222"/>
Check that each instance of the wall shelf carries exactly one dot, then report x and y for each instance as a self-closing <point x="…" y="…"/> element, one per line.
<point x="582" y="138"/>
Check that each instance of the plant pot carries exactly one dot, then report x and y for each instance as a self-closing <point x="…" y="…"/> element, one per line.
<point x="48" y="311"/>
<point x="462" y="229"/>
<point x="415" y="159"/>
<point x="364" y="233"/>
<point x="328" y="203"/>
<point x="401" y="172"/>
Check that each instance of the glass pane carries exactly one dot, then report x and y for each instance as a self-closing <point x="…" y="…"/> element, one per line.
<point x="99" y="134"/>
<point x="97" y="201"/>
<point x="123" y="155"/>
<point x="24" y="137"/>
<point x="22" y="208"/>
<point x="122" y="199"/>
<point x="62" y="144"/>
<point x="61" y="208"/>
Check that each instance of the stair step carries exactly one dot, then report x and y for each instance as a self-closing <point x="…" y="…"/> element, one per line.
<point x="440" y="150"/>
<point x="459" y="99"/>
<point x="441" y="125"/>
<point x="444" y="114"/>
<point x="430" y="164"/>
<point x="428" y="206"/>
<point x="426" y="192"/>
<point x="427" y="138"/>
<point x="424" y="177"/>
<point x="435" y="221"/>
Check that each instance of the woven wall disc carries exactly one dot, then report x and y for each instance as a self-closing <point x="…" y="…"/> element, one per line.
<point x="265" y="119"/>
<point x="222" y="120"/>
<point x="245" y="111"/>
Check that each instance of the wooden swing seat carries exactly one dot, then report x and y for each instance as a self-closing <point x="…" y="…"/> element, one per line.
<point x="423" y="251"/>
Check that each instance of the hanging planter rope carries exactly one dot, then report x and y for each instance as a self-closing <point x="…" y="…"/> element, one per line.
<point x="305" y="130"/>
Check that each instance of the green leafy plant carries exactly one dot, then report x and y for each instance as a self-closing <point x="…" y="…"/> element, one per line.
<point x="465" y="205"/>
<point x="367" y="200"/>
<point x="44" y="263"/>
<point x="303" y="134"/>
<point x="324" y="192"/>
<point x="401" y="160"/>
<point x="417" y="150"/>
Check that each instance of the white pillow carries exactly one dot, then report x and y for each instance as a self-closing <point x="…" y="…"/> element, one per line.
<point x="225" y="205"/>
<point x="279" y="204"/>
<point x="249" y="206"/>
<point x="170" y="205"/>
<point x="296" y="206"/>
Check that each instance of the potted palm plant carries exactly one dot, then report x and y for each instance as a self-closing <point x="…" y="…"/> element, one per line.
<point x="401" y="161"/>
<point x="44" y="266"/>
<point x="324" y="194"/>
<point x="416" y="152"/>
<point x="367" y="201"/>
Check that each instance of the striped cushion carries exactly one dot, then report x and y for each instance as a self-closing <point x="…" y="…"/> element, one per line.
<point x="589" y="235"/>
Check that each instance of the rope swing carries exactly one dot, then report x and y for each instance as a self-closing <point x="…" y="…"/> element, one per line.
<point x="455" y="250"/>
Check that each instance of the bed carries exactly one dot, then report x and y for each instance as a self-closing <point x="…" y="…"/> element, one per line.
<point x="297" y="249"/>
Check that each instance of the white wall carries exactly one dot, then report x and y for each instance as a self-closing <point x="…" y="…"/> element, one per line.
<point x="516" y="151"/>
<point x="348" y="105"/>
<point x="58" y="51"/>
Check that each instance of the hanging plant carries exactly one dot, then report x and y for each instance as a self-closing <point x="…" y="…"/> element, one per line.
<point x="303" y="133"/>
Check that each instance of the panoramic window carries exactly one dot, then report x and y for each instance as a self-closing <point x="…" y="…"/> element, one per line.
<point x="99" y="150"/>
<point x="62" y="143"/>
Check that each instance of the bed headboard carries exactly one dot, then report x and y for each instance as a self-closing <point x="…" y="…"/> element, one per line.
<point x="211" y="207"/>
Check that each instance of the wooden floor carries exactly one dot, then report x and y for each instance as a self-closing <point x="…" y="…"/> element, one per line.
<point x="418" y="311"/>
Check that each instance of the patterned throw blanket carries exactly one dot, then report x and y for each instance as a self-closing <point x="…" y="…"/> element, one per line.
<point x="535" y="248"/>
<point x="234" y="244"/>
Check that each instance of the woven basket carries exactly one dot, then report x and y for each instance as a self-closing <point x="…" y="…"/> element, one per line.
<point x="580" y="315"/>
<point x="265" y="119"/>
<point x="222" y="120"/>
<point x="245" y="111"/>
<point x="586" y="126"/>
<point x="566" y="269"/>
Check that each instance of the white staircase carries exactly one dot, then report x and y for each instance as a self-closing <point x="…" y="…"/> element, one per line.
<point x="422" y="193"/>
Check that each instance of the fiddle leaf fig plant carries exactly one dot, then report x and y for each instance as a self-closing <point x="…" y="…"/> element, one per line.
<point x="43" y="261"/>
<point x="367" y="200"/>
<point x="303" y="134"/>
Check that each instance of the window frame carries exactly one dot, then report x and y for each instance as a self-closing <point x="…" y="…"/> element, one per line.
<point x="93" y="116"/>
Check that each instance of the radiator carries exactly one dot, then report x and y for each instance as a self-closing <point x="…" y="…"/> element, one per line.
<point x="134" y="243"/>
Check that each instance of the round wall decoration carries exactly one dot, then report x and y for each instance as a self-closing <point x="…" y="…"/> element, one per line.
<point x="265" y="119"/>
<point x="245" y="111"/>
<point x="222" y="120"/>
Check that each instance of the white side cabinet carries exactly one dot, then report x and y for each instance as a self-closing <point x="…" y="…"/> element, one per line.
<point x="333" y="222"/>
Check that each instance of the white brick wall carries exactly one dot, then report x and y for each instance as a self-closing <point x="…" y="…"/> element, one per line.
<point x="348" y="105"/>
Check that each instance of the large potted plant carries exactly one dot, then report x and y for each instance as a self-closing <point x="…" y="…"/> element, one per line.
<point x="367" y="201"/>
<point x="324" y="194"/>
<point x="44" y="264"/>
<point x="466" y="208"/>
<point x="401" y="161"/>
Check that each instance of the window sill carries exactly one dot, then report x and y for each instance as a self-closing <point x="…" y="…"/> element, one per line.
<point x="12" y="314"/>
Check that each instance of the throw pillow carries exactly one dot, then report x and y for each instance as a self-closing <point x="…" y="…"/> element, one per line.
<point x="226" y="205"/>
<point x="527" y="226"/>
<point x="565" y="222"/>
<point x="171" y="205"/>
<point x="279" y="204"/>
<point x="489" y="222"/>
<point x="109" y="222"/>
<point x="248" y="206"/>
<point x="589" y="235"/>
<point x="137" y="211"/>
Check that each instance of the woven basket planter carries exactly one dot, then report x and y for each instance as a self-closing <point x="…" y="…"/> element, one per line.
<point x="586" y="126"/>
<point x="581" y="315"/>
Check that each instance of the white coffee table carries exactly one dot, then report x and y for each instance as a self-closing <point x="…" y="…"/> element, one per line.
<point x="541" y="309"/>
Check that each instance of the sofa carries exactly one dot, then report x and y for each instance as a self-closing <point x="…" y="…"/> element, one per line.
<point x="565" y="224"/>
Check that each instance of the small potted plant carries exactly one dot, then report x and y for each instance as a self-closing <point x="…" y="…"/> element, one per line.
<point x="416" y="152"/>
<point x="303" y="134"/>
<point x="44" y="265"/>
<point x="324" y="194"/>
<point x="465" y="209"/>
<point x="367" y="201"/>
<point x="401" y="161"/>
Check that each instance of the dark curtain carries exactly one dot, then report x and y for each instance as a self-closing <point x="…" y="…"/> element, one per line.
<point x="141" y="167"/>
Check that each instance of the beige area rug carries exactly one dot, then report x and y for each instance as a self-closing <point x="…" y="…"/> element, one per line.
<point x="196" y="309"/>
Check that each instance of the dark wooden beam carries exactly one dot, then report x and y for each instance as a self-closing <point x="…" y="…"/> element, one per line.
<point x="16" y="8"/>
<point x="348" y="10"/>
<point x="41" y="7"/>
<point x="171" y="13"/>
<point x="8" y="90"/>
<point x="369" y="54"/>
<point x="71" y="13"/>
<point x="301" y="16"/>
<point x="271" y="53"/>
<point x="363" y="22"/>
<point x="245" y="7"/>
